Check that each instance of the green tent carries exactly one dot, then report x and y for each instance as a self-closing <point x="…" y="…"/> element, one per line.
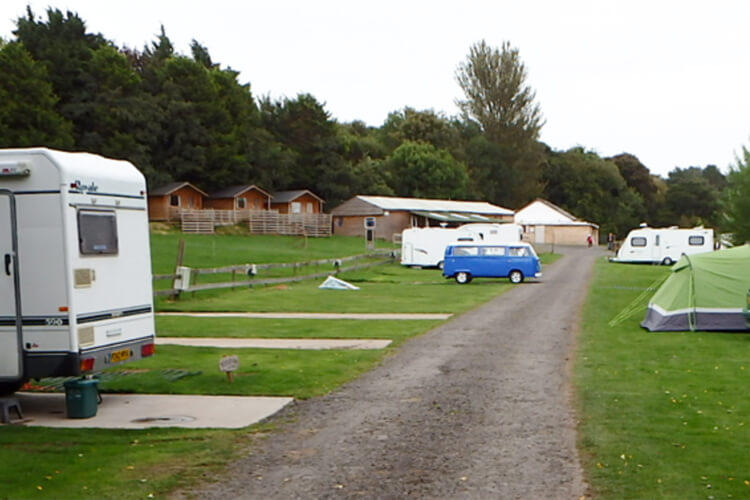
<point x="705" y="291"/>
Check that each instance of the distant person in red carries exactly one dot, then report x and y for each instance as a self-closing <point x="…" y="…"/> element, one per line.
<point x="589" y="240"/>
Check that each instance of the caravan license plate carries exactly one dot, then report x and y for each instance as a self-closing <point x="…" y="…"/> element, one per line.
<point x="121" y="355"/>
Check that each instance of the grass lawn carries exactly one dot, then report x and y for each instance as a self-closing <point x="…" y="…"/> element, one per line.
<point x="96" y="463"/>
<point x="218" y="250"/>
<point x="397" y="331"/>
<point x="662" y="415"/>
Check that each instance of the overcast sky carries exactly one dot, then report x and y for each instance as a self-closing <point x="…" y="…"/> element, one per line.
<point x="664" y="80"/>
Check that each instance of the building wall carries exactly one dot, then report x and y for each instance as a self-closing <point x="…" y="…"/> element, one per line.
<point x="560" y="235"/>
<point x="385" y="225"/>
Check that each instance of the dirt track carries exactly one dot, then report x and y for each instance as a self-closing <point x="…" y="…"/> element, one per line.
<point x="476" y="408"/>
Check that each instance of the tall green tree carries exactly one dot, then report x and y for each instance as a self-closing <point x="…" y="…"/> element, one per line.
<point x="648" y="186"/>
<point x="27" y="103"/>
<point x="497" y="96"/>
<point x="736" y="199"/>
<point x="427" y="126"/>
<point x="63" y="45"/>
<point x="592" y="188"/>
<point x="420" y="170"/>
<point x="692" y="197"/>
<point x="498" y="99"/>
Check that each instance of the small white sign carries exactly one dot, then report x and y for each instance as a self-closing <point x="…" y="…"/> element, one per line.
<point x="229" y="363"/>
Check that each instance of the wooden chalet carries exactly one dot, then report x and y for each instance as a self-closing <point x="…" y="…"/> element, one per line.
<point x="165" y="202"/>
<point x="300" y="201"/>
<point x="245" y="197"/>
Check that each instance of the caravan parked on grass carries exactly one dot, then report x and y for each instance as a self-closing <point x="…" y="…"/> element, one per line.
<point x="664" y="245"/>
<point x="75" y="293"/>
<point x="425" y="246"/>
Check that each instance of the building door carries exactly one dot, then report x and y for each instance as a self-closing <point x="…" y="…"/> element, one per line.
<point x="11" y="364"/>
<point x="539" y="234"/>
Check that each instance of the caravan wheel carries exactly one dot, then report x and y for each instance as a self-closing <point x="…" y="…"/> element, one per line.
<point x="441" y="265"/>
<point x="667" y="261"/>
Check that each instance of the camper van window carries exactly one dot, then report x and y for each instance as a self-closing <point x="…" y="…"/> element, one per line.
<point x="493" y="251"/>
<point x="97" y="232"/>
<point x="638" y="241"/>
<point x="696" y="241"/>
<point x="465" y="251"/>
<point x="519" y="252"/>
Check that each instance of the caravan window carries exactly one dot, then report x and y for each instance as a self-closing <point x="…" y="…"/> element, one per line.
<point x="696" y="241"/>
<point x="638" y="241"/>
<point x="97" y="232"/>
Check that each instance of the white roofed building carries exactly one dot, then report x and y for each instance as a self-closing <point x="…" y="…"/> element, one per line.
<point x="392" y="215"/>
<point x="545" y="222"/>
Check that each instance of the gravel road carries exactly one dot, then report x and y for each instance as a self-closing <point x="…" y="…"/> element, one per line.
<point x="477" y="408"/>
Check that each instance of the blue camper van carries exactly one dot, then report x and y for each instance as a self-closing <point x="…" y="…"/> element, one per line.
<point x="515" y="261"/>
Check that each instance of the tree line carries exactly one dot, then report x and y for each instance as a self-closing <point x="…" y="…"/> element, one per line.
<point x="184" y="117"/>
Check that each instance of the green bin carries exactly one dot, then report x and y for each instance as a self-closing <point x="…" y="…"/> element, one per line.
<point x="81" y="398"/>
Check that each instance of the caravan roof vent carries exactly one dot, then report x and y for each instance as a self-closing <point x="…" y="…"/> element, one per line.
<point x="14" y="168"/>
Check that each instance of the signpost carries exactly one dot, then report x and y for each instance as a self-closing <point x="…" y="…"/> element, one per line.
<point x="229" y="365"/>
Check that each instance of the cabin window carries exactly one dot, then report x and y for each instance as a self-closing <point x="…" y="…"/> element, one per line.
<point x="296" y="207"/>
<point x="638" y="241"/>
<point x="174" y="200"/>
<point x="97" y="232"/>
<point x="696" y="241"/>
<point x="241" y="203"/>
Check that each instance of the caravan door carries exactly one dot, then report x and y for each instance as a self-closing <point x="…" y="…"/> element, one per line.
<point x="11" y="364"/>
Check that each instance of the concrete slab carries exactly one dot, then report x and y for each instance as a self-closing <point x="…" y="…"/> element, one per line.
<point x="143" y="411"/>
<point x="282" y="315"/>
<point x="236" y="343"/>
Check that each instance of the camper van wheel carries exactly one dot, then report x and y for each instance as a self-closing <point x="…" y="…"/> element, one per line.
<point x="462" y="278"/>
<point x="667" y="261"/>
<point x="516" y="276"/>
<point x="8" y="388"/>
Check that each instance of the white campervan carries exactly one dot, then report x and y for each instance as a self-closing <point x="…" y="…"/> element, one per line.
<point x="75" y="283"/>
<point x="664" y="245"/>
<point x="425" y="246"/>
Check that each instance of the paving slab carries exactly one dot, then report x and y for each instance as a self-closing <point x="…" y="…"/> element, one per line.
<point x="143" y="411"/>
<point x="236" y="343"/>
<point x="297" y="315"/>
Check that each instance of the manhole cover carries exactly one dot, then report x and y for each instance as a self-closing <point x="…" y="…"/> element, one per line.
<point x="169" y="419"/>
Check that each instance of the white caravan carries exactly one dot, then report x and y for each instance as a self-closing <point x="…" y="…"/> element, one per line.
<point x="75" y="286"/>
<point x="425" y="246"/>
<point x="664" y="245"/>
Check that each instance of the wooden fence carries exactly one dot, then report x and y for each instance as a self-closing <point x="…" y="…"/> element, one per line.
<point x="186" y="279"/>
<point x="270" y="222"/>
<point x="259" y="222"/>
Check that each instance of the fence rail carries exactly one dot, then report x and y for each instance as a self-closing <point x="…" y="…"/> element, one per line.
<point x="187" y="277"/>
<point x="258" y="221"/>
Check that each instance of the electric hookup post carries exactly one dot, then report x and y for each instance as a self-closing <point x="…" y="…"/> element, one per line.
<point x="370" y="232"/>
